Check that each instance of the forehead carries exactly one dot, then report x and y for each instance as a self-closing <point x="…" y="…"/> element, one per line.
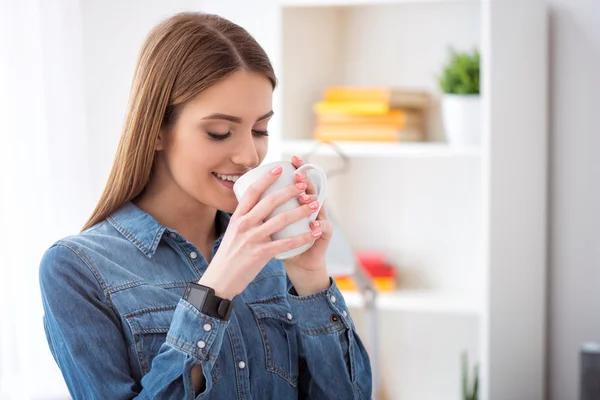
<point x="243" y="94"/>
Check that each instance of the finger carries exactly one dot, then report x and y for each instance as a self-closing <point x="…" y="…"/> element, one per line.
<point x="326" y="227"/>
<point x="297" y="161"/>
<point x="305" y="198"/>
<point x="312" y="187"/>
<point x="280" y="221"/>
<point x="322" y="212"/>
<point x="273" y="200"/>
<point x="282" y="245"/>
<point x="255" y="190"/>
<point x="300" y="177"/>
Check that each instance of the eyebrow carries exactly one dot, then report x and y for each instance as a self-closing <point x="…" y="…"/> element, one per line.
<point x="234" y="119"/>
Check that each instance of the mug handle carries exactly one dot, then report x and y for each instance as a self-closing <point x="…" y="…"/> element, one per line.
<point x="322" y="187"/>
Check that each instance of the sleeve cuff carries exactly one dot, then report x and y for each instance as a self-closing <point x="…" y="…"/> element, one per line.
<point x="322" y="312"/>
<point x="194" y="333"/>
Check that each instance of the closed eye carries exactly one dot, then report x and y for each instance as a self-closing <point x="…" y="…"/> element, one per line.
<point x="260" y="133"/>
<point x="219" y="136"/>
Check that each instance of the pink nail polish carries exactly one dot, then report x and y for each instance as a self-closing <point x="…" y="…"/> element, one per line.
<point x="305" y="197"/>
<point x="301" y="176"/>
<point x="277" y="170"/>
<point x="301" y="185"/>
<point x="317" y="233"/>
<point x="314" y="205"/>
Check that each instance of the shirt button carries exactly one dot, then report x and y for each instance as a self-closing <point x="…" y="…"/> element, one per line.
<point x="289" y="316"/>
<point x="332" y="299"/>
<point x="207" y="327"/>
<point x="193" y="255"/>
<point x="344" y="313"/>
<point x="201" y="344"/>
<point x="334" y="318"/>
<point x="173" y="235"/>
<point x="241" y="365"/>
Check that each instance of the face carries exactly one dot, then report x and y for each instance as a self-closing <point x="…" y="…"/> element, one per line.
<point x="217" y="137"/>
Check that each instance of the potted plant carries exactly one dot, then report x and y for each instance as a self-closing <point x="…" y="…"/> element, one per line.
<point x="469" y="393"/>
<point x="461" y="104"/>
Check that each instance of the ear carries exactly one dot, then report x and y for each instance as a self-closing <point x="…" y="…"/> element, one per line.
<point x="160" y="141"/>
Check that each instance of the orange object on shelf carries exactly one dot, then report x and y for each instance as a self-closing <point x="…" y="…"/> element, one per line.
<point x="346" y="283"/>
<point x="373" y="263"/>
<point x="383" y="284"/>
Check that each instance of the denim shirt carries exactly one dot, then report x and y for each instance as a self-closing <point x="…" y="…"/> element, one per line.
<point x="118" y="327"/>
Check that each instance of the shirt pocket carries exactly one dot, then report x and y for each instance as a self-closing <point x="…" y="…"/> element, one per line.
<point x="149" y="328"/>
<point x="277" y="327"/>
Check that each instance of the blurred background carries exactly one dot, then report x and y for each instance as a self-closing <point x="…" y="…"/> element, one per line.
<point x="463" y="173"/>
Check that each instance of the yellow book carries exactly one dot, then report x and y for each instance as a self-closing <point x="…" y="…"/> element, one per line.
<point x="366" y="133"/>
<point x="396" y="117"/>
<point x="394" y="97"/>
<point x="351" y="93"/>
<point x="352" y="107"/>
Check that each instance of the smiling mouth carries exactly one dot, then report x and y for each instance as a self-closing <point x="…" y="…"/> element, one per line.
<point x="229" y="178"/>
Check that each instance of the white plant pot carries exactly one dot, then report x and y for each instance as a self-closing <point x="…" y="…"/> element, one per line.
<point x="461" y="116"/>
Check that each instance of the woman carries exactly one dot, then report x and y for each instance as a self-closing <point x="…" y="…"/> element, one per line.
<point x="164" y="295"/>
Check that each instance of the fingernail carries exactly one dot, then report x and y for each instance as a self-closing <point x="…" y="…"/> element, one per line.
<point x="314" y="205"/>
<point x="276" y="170"/>
<point x="305" y="197"/>
<point x="298" y="158"/>
<point x="301" y="176"/>
<point x="301" y="185"/>
<point x="315" y="224"/>
<point x="317" y="233"/>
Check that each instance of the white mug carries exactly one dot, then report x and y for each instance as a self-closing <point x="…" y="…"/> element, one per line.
<point x="286" y="178"/>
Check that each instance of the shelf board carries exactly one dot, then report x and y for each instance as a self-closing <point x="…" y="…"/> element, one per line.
<point x="380" y="149"/>
<point x="430" y="301"/>
<point x="354" y="3"/>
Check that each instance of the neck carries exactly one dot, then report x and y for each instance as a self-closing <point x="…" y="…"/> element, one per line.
<point x="177" y="210"/>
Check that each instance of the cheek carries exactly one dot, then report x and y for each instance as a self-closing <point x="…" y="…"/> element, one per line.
<point x="188" y="160"/>
<point x="262" y="147"/>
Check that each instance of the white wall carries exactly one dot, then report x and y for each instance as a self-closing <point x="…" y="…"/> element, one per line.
<point x="113" y="33"/>
<point x="574" y="303"/>
<point x="65" y="74"/>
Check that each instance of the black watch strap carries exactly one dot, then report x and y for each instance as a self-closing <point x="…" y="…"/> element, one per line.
<point x="207" y="302"/>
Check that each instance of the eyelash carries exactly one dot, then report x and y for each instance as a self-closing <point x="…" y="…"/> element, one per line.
<point x="215" y="136"/>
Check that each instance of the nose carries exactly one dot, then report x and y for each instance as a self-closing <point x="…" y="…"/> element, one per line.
<point x="246" y="153"/>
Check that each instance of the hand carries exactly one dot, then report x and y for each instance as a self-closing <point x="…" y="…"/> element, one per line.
<point x="308" y="271"/>
<point x="247" y="246"/>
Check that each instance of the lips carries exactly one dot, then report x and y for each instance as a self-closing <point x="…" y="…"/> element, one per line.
<point x="224" y="177"/>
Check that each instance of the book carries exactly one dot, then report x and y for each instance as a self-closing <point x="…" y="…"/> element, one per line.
<point x="383" y="133"/>
<point x="352" y="107"/>
<point x="394" y="97"/>
<point x="401" y="119"/>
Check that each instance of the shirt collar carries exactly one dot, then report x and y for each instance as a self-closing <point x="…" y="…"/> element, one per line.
<point x="141" y="229"/>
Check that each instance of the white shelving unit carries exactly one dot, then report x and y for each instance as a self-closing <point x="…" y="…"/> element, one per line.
<point x="380" y="149"/>
<point x="466" y="228"/>
<point x="422" y="301"/>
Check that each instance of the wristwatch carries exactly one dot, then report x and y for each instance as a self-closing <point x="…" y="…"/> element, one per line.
<point x="207" y="302"/>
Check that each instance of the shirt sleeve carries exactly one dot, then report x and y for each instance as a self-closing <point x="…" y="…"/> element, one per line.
<point x="85" y="337"/>
<point x="334" y="362"/>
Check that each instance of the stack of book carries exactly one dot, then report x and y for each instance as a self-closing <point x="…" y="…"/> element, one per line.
<point x="374" y="114"/>
<point x="381" y="273"/>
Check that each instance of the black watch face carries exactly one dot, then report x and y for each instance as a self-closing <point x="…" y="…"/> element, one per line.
<point x="197" y="297"/>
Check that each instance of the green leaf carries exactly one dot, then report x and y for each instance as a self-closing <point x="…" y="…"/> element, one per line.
<point x="460" y="75"/>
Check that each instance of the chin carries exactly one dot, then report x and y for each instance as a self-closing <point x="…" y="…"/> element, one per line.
<point x="228" y="205"/>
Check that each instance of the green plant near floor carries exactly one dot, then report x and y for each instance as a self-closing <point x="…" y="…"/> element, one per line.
<point x="460" y="74"/>
<point x="469" y="392"/>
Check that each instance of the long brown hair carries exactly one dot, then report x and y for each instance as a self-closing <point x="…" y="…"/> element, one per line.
<point x="181" y="57"/>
